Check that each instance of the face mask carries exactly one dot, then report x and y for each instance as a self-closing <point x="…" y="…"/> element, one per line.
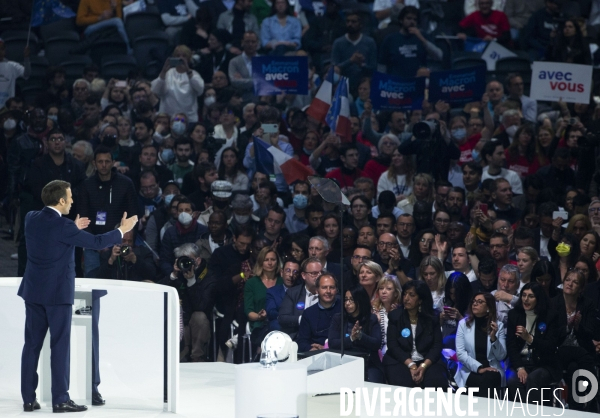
<point x="158" y="138"/>
<point x="300" y="201"/>
<point x="178" y="127"/>
<point x="511" y="130"/>
<point x="168" y="199"/>
<point x="208" y="100"/>
<point x="459" y="133"/>
<point x="53" y="118"/>
<point x="475" y="155"/>
<point x="10" y="124"/>
<point x="563" y="249"/>
<point x="185" y="218"/>
<point x="309" y="152"/>
<point x="167" y="155"/>
<point x="336" y="78"/>
<point x="241" y="219"/>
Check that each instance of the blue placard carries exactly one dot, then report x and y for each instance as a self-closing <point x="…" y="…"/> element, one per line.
<point x="457" y="86"/>
<point x="397" y="93"/>
<point x="273" y="75"/>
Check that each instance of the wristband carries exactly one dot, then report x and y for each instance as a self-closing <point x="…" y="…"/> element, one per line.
<point x="243" y="276"/>
<point x="411" y="364"/>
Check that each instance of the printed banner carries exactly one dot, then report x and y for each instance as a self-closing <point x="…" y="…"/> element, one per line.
<point x="390" y="92"/>
<point x="493" y="53"/>
<point x="457" y="86"/>
<point x="273" y="75"/>
<point x="551" y="81"/>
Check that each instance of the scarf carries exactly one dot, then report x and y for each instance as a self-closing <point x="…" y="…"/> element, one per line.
<point x="182" y="230"/>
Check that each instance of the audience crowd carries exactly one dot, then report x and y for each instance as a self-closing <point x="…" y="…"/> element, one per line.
<point x="468" y="258"/>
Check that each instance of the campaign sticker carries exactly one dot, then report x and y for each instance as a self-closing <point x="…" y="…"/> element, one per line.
<point x="542" y="326"/>
<point x="101" y="218"/>
<point x="405" y="332"/>
<point x="300" y="306"/>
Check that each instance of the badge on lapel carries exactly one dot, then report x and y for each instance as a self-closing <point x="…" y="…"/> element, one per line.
<point x="405" y="332"/>
<point x="300" y="306"/>
<point x="542" y="327"/>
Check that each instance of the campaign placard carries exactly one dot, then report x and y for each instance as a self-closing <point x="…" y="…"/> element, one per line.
<point x="457" y="86"/>
<point x="493" y="53"/>
<point x="273" y="75"/>
<point x="552" y="81"/>
<point x="392" y="93"/>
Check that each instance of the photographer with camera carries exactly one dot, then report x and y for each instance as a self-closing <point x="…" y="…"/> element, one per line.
<point x="189" y="271"/>
<point x="433" y="148"/>
<point x="126" y="261"/>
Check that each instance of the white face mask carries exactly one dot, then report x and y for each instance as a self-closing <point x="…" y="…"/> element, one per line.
<point x="241" y="219"/>
<point x="185" y="218"/>
<point x="511" y="130"/>
<point x="10" y="124"/>
<point x="208" y="100"/>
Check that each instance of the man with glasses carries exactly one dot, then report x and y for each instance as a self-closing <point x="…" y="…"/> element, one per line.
<point x="316" y="321"/>
<point x="594" y="214"/>
<point x="506" y="295"/>
<point x="499" y="248"/>
<point x="318" y="247"/>
<point x="390" y="258"/>
<point x="289" y="273"/>
<point x="300" y="297"/>
<point x="405" y="227"/>
<point x="361" y="254"/>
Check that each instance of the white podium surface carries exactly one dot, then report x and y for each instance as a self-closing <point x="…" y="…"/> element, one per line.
<point x="135" y="318"/>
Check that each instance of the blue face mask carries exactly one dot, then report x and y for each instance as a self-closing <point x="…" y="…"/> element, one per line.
<point x="309" y="152"/>
<point x="336" y="78"/>
<point x="178" y="127"/>
<point x="169" y="199"/>
<point x="53" y="118"/>
<point x="167" y="155"/>
<point x="300" y="201"/>
<point x="459" y="134"/>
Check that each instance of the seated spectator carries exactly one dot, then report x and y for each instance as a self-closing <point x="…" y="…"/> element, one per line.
<point x="507" y="294"/>
<point x="526" y="258"/>
<point x="275" y="295"/>
<point x="178" y="88"/>
<point x="533" y="332"/>
<point x="421" y="246"/>
<point x="457" y="296"/>
<point x="240" y="67"/>
<point x="194" y="293"/>
<point x="385" y="223"/>
<point x="398" y="177"/>
<point x="266" y="275"/>
<point x="494" y="157"/>
<point x="404" y="52"/>
<point x="355" y="54"/>
<point x="471" y="6"/>
<point x="515" y="89"/>
<point x="391" y="259"/>
<point x="545" y="274"/>
<point x="217" y="236"/>
<point x="414" y="341"/>
<point x="220" y="195"/>
<point x="316" y="320"/>
<point x="349" y="171"/>
<point x="388" y="145"/>
<point x="126" y="261"/>
<point x="487" y="275"/>
<point x="481" y="347"/>
<point x="388" y="299"/>
<point x="369" y="274"/>
<point x="522" y="157"/>
<point x="217" y="57"/>
<point x="98" y="15"/>
<point x="360" y="210"/>
<point x="174" y="15"/>
<point x="238" y="21"/>
<point x="431" y="271"/>
<point x="569" y="45"/>
<point x="241" y="206"/>
<point x="486" y="24"/>
<point x="577" y="351"/>
<point x="230" y="169"/>
<point x="186" y="230"/>
<point x="361" y="330"/>
<point x="280" y="32"/>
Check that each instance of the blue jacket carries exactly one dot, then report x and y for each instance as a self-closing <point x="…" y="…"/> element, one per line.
<point x="315" y="324"/>
<point x="275" y="296"/>
<point x="51" y="239"/>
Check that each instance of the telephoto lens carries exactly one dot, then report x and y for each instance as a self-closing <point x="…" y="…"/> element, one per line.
<point x="185" y="263"/>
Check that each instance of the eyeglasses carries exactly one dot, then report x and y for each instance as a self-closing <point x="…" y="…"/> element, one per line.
<point x="56" y="139"/>
<point x="594" y="210"/>
<point x="362" y="258"/>
<point x="178" y="120"/>
<point x="387" y="244"/>
<point x="502" y="228"/>
<point x="313" y="273"/>
<point x="288" y="271"/>
<point x="478" y="302"/>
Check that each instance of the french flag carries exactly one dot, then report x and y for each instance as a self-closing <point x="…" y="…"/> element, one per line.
<point x="338" y="117"/>
<point x="322" y="102"/>
<point x="271" y="160"/>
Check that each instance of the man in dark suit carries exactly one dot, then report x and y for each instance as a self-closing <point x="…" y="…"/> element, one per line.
<point x="276" y="294"/>
<point x="301" y="297"/>
<point x="48" y="288"/>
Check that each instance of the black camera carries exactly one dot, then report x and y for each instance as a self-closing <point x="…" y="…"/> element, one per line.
<point x="425" y="130"/>
<point x="125" y="249"/>
<point x="185" y="263"/>
<point x="213" y="145"/>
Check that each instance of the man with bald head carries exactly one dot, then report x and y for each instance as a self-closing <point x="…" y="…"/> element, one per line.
<point x="390" y="258"/>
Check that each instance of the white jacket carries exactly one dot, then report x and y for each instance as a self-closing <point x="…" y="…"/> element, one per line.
<point x="179" y="93"/>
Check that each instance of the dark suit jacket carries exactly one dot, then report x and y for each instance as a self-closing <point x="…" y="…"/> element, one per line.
<point x="428" y="338"/>
<point x="589" y="327"/>
<point x="545" y="342"/>
<point x="275" y="296"/>
<point x="291" y="309"/>
<point x="51" y="239"/>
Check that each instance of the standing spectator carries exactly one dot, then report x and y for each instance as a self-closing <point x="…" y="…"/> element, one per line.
<point x="518" y="13"/>
<point x="174" y="14"/>
<point x="398" y="178"/>
<point x="493" y="155"/>
<point x="237" y="21"/>
<point x="486" y="24"/>
<point x="10" y="71"/>
<point x="569" y="45"/>
<point x="404" y="52"/>
<point x="354" y="53"/>
<point x="103" y="198"/>
<point x="515" y="89"/>
<point x="96" y="15"/>
<point x="323" y="31"/>
<point x="349" y="171"/>
<point x="240" y="67"/>
<point x="537" y="34"/>
<point x="280" y="32"/>
<point x="178" y="88"/>
<point x="522" y="156"/>
<point x="217" y="57"/>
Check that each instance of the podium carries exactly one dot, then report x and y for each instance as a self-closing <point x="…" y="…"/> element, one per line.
<point x="139" y="345"/>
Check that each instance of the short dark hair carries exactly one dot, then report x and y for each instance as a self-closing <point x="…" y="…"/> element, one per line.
<point x="204" y="167"/>
<point x="277" y="209"/>
<point x="408" y="10"/>
<point x="314" y="208"/>
<point x="561" y="153"/>
<point x="301" y="183"/>
<point x="534" y="181"/>
<point x="524" y="233"/>
<point x="55" y="131"/>
<point x="325" y="273"/>
<point x="145" y="121"/>
<point x="489" y="148"/>
<point x="488" y="265"/>
<point x="92" y="100"/>
<point x="390" y="216"/>
<point x="473" y="166"/>
<point x="54" y="191"/>
<point x="102" y="150"/>
<point x="183" y="141"/>
<point x="546" y="209"/>
<point x="501" y="236"/>
<point x="347" y="147"/>
<point x="245" y="230"/>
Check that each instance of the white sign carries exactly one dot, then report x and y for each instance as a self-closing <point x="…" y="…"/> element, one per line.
<point x="493" y="53"/>
<point x="552" y="81"/>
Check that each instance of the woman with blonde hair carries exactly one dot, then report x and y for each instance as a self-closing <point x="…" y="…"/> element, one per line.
<point x="422" y="190"/>
<point x="431" y="271"/>
<point x="386" y="300"/>
<point x="526" y="259"/>
<point x="578" y="225"/>
<point x="266" y="275"/>
<point x="369" y="274"/>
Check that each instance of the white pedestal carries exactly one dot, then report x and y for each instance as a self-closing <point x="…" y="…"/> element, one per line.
<point x="329" y="372"/>
<point x="259" y="390"/>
